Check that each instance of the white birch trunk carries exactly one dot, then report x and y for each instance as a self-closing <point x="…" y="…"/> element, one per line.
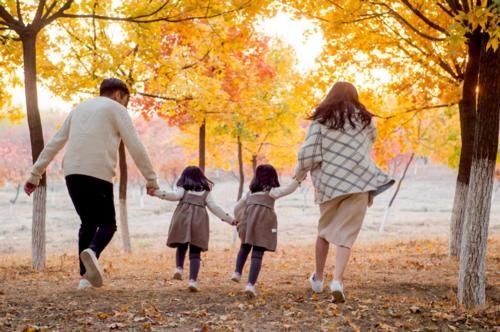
<point x="457" y="218"/>
<point x="472" y="272"/>
<point x="125" y="234"/>
<point x="38" y="228"/>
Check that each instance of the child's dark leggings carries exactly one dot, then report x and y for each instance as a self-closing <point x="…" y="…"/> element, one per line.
<point x="257" y="254"/>
<point x="194" y="259"/>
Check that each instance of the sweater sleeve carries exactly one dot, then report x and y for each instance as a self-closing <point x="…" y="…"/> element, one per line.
<point x="240" y="206"/>
<point x="134" y="146"/>
<point x="309" y="156"/>
<point x="175" y="195"/>
<point x="283" y="191"/>
<point x="49" y="152"/>
<point x="217" y="210"/>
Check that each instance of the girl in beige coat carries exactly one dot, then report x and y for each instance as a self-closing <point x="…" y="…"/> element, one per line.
<point x="258" y="228"/>
<point x="190" y="223"/>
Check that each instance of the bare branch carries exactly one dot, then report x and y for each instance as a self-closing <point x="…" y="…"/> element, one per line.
<point x="416" y="110"/>
<point x="366" y="17"/>
<point x="153" y="12"/>
<point x="405" y="22"/>
<point x="39" y="12"/>
<point x="465" y="5"/>
<point x="71" y="34"/>
<point x="454" y="5"/>
<point x="194" y="64"/>
<point x="159" y="19"/>
<point x="49" y="10"/>
<point x="94" y="29"/>
<point x="59" y="13"/>
<point x="424" y="18"/>
<point x="335" y="4"/>
<point x="446" y="10"/>
<point x="19" y="14"/>
<point x="5" y="38"/>
<point x="150" y="95"/>
<point x="439" y="60"/>
<point x="7" y="19"/>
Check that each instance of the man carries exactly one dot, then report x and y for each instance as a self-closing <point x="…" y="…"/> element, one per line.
<point x="93" y="131"/>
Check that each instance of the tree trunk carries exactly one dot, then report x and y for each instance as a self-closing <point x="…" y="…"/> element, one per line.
<point x="240" y="167"/>
<point x="202" y="144"/>
<point x="467" y="110"/>
<point x="254" y="163"/>
<point x="471" y="284"/>
<point x="28" y="39"/>
<point x="127" y="247"/>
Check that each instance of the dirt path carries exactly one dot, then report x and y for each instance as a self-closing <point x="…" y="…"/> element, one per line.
<point x="390" y="287"/>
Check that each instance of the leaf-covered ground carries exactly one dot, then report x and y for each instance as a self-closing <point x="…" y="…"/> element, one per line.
<point x="391" y="287"/>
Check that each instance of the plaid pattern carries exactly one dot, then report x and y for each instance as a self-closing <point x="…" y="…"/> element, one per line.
<point x="340" y="162"/>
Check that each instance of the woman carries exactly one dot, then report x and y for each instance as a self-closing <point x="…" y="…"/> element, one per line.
<point x="337" y="152"/>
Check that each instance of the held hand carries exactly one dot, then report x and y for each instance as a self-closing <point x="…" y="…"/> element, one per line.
<point x="235" y="222"/>
<point x="151" y="191"/>
<point x="300" y="178"/>
<point x="29" y="188"/>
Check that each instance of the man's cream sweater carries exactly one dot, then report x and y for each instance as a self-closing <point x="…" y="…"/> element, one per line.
<point x="93" y="131"/>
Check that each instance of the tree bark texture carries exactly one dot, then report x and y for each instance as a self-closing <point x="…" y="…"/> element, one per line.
<point x="202" y="145"/>
<point x="28" y="39"/>
<point x="467" y="110"/>
<point x="472" y="271"/>
<point x="241" y="170"/>
<point x="127" y="246"/>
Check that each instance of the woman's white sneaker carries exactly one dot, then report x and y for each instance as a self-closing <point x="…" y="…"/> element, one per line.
<point x="250" y="291"/>
<point x="84" y="284"/>
<point x="178" y="274"/>
<point x="316" y="285"/>
<point x="337" y="291"/>
<point x="93" y="272"/>
<point x="236" y="277"/>
<point x="193" y="286"/>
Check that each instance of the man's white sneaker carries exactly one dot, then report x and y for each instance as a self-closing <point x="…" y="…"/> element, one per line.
<point x="193" y="286"/>
<point x="178" y="274"/>
<point x="250" y="291"/>
<point x="236" y="277"/>
<point x="83" y="284"/>
<point x="316" y="285"/>
<point x="93" y="272"/>
<point x="337" y="291"/>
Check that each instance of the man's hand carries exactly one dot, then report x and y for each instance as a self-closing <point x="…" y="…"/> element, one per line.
<point x="29" y="188"/>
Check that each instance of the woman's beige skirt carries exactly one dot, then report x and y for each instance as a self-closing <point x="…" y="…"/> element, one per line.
<point x="341" y="218"/>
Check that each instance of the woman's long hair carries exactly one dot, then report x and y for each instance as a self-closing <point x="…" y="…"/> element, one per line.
<point x="193" y="179"/>
<point x="342" y="106"/>
<point x="265" y="179"/>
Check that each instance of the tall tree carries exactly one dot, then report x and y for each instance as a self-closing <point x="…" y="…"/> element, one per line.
<point x="24" y="22"/>
<point x="440" y="36"/>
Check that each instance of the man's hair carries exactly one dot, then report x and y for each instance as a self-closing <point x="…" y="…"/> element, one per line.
<point x="110" y="85"/>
